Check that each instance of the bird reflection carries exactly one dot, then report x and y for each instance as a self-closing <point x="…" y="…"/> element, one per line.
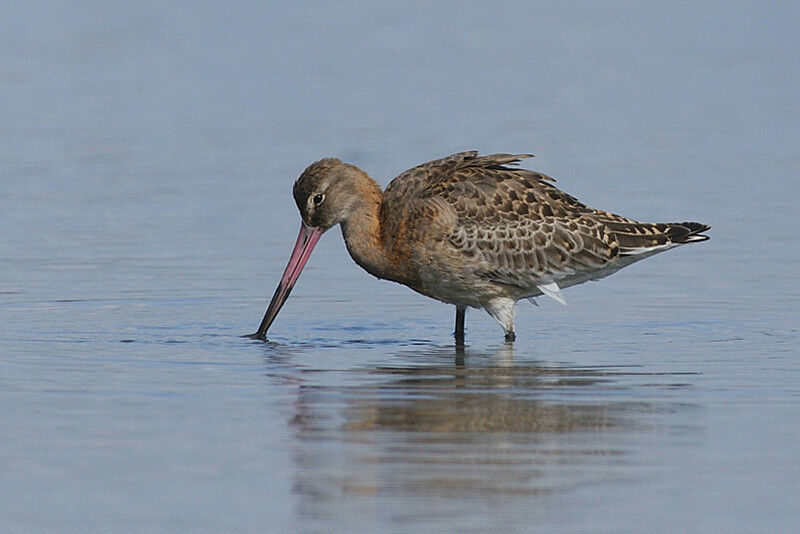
<point x="493" y="396"/>
<point x="486" y="425"/>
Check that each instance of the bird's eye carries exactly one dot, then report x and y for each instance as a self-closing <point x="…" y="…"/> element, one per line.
<point x="319" y="198"/>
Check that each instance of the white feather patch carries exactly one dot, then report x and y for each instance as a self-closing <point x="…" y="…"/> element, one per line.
<point x="533" y="301"/>
<point x="649" y="250"/>
<point x="553" y="291"/>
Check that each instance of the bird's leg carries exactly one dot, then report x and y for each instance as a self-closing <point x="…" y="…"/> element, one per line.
<point x="459" y="333"/>
<point x="502" y="309"/>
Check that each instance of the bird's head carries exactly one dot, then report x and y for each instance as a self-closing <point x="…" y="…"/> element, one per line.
<point x="327" y="192"/>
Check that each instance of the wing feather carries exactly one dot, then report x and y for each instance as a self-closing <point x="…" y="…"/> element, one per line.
<point x="512" y="225"/>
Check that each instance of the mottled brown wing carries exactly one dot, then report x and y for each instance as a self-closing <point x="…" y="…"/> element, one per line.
<point x="516" y="227"/>
<point x="527" y="253"/>
<point x="511" y="223"/>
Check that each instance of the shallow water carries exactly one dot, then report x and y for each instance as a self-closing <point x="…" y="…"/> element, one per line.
<point x="146" y="217"/>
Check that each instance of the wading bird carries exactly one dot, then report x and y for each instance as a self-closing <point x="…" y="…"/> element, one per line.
<point x="473" y="231"/>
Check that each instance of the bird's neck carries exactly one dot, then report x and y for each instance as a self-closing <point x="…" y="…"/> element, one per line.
<point x="362" y="230"/>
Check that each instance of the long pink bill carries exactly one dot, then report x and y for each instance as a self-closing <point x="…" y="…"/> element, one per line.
<point x="306" y="241"/>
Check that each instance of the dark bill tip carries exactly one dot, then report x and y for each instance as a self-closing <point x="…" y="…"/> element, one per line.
<point x="256" y="336"/>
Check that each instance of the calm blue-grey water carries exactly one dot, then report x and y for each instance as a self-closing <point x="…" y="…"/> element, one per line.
<point x="146" y="159"/>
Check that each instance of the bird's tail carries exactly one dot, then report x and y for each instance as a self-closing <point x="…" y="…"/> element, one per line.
<point x="643" y="238"/>
<point x="686" y="232"/>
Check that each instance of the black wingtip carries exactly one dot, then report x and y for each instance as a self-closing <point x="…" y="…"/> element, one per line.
<point x="688" y="232"/>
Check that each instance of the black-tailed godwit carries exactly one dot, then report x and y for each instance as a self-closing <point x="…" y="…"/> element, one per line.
<point x="469" y="230"/>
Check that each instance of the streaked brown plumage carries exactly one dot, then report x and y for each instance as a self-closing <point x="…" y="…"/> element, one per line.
<point x="469" y="230"/>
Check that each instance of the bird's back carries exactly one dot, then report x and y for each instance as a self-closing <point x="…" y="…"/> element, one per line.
<point x="513" y="226"/>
